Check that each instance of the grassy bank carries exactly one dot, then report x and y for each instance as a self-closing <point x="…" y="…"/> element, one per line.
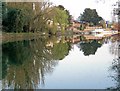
<point x="10" y="37"/>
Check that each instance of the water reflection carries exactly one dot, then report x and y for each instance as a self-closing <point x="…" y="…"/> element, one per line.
<point x="115" y="50"/>
<point x="25" y="63"/>
<point x="116" y="68"/>
<point x="90" y="47"/>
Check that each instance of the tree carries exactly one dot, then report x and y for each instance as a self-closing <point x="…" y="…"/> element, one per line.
<point x="59" y="18"/>
<point x="33" y="17"/>
<point x="90" y="16"/>
<point x="69" y="16"/>
<point x="67" y="12"/>
<point x="22" y="16"/>
<point x="14" y="20"/>
<point x="61" y="7"/>
<point x="17" y="15"/>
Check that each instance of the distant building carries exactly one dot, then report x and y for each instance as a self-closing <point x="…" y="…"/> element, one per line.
<point x="76" y="24"/>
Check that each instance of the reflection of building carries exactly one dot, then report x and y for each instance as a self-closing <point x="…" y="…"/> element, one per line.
<point x="91" y="37"/>
<point x="75" y="39"/>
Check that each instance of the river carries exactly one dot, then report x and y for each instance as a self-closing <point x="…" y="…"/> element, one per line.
<point x="64" y="62"/>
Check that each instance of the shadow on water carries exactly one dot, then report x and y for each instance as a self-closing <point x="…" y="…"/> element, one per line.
<point x="24" y="63"/>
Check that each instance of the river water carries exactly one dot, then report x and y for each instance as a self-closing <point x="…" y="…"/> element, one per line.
<point x="64" y="62"/>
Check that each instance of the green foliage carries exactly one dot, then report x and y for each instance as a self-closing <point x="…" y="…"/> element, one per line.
<point x="59" y="18"/>
<point x="9" y="22"/>
<point x="21" y="17"/>
<point x="67" y="12"/>
<point x="90" y="16"/>
<point x="14" y="17"/>
<point x="61" y="7"/>
<point x="15" y="20"/>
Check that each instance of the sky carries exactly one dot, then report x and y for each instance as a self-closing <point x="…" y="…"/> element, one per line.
<point x="103" y="7"/>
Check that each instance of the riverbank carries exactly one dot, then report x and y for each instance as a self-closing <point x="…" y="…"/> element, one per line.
<point x="10" y="37"/>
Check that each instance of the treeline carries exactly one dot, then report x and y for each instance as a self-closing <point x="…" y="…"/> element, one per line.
<point x="91" y="16"/>
<point x="34" y="17"/>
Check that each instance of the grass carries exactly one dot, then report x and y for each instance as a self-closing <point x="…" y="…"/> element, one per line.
<point x="9" y="37"/>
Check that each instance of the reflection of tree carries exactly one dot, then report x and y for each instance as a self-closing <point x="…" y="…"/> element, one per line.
<point x="90" y="47"/>
<point x="25" y="63"/>
<point x="115" y="50"/>
<point x="60" y="50"/>
<point x="116" y="76"/>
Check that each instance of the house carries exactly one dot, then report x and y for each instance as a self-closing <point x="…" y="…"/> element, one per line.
<point x="76" y="24"/>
